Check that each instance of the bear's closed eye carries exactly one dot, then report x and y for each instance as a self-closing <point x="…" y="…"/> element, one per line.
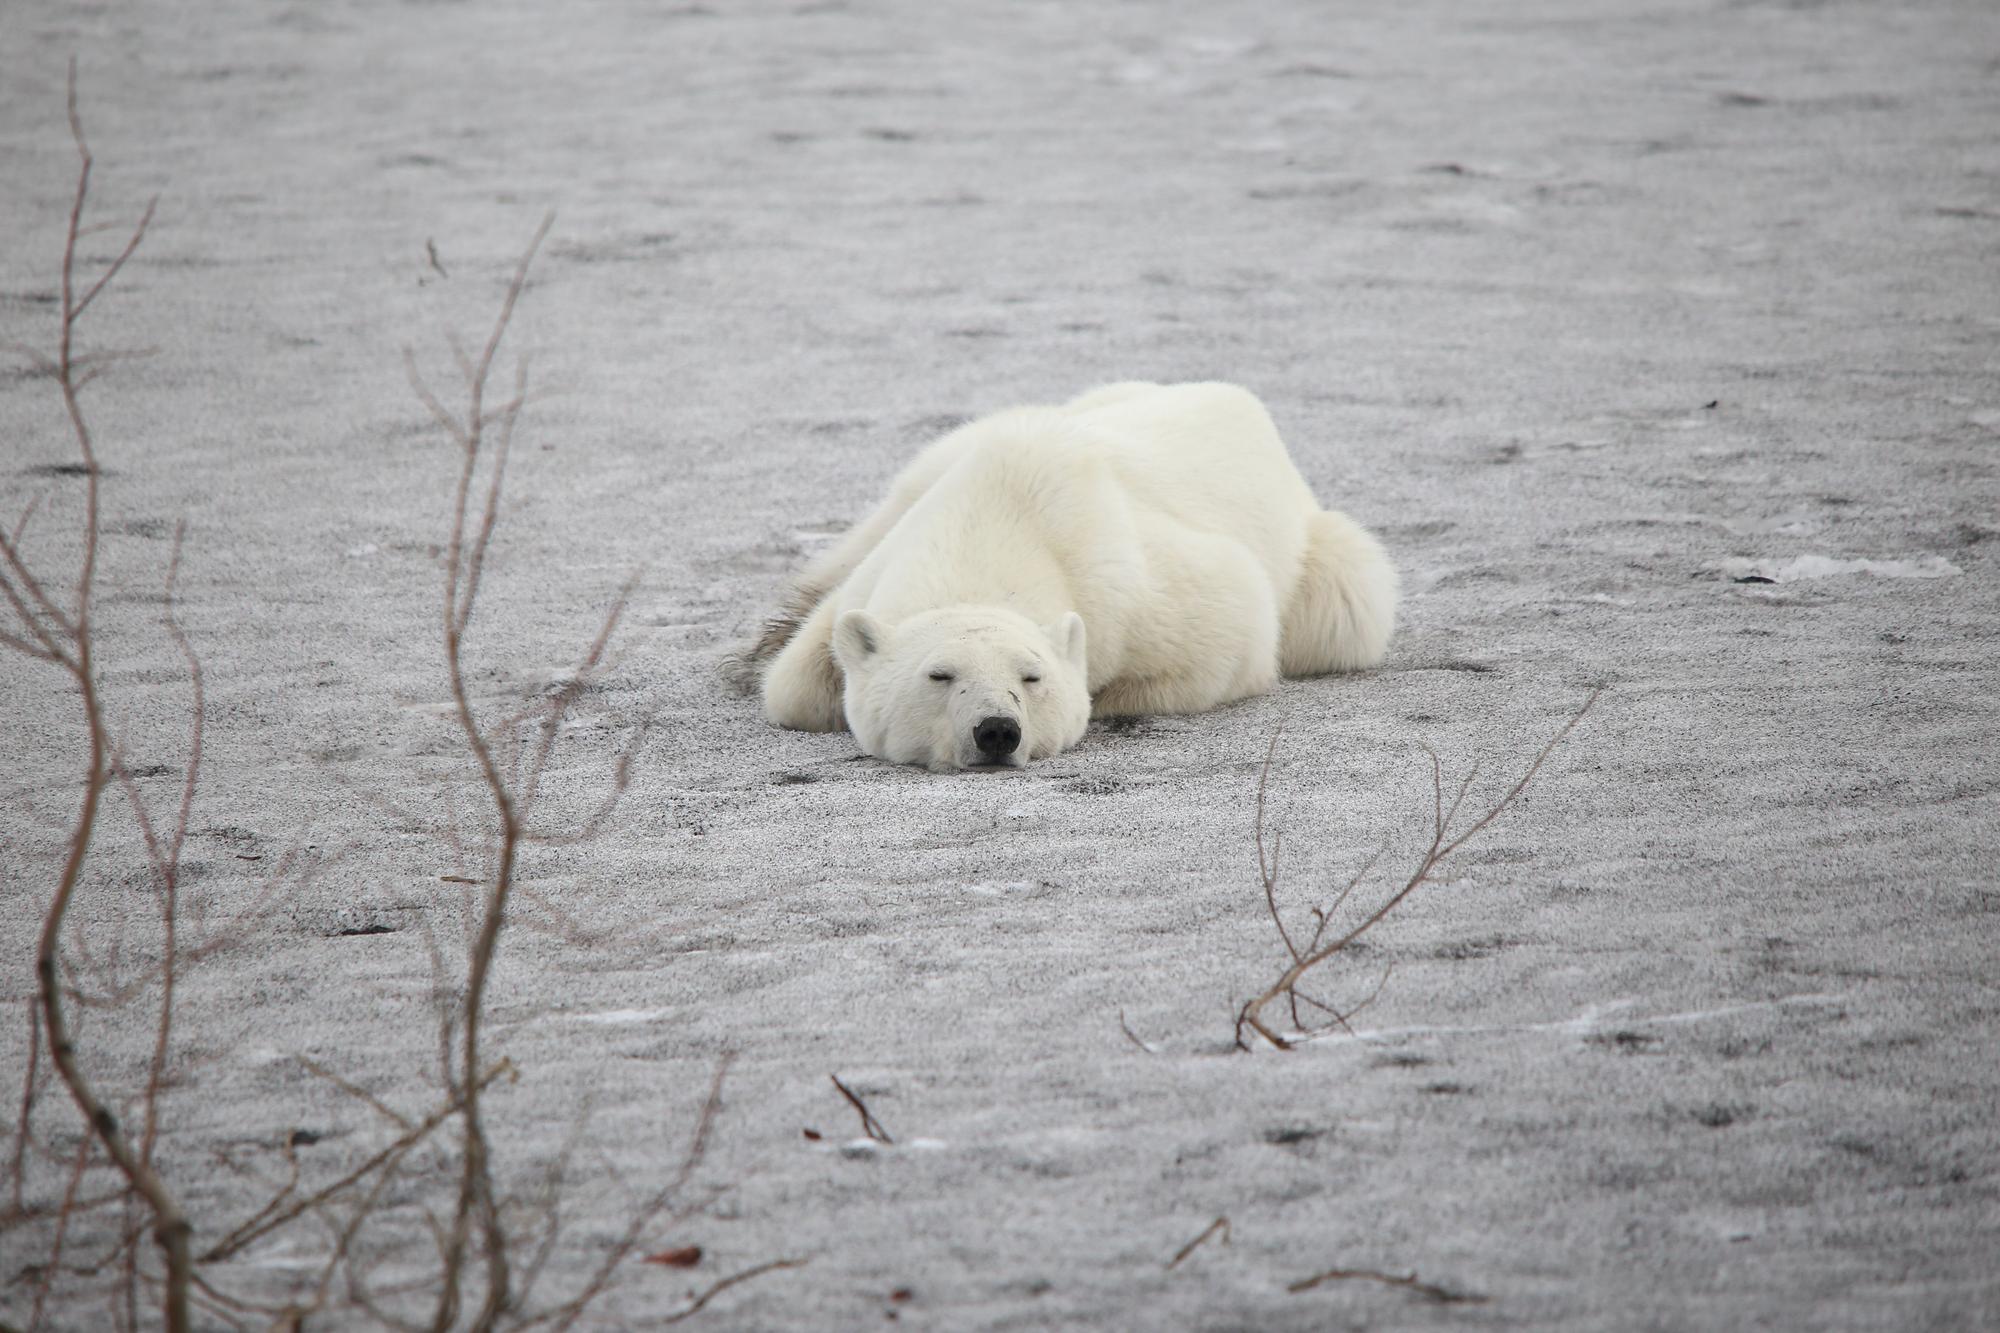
<point x="942" y="676"/>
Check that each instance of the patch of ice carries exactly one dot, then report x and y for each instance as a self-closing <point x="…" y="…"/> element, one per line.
<point x="873" y="1147"/>
<point x="999" y="888"/>
<point x="622" y="1016"/>
<point x="1218" y="48"/>
<point x="362" y="551"/>
<point x="1825" y="567"/>
<point x="1791" y="523"/>
<point x="1467" y="208"/>
<point x="1590" y="1021"/>
<point x="1261" y="143"/>
<point x="1736" y="1227"/>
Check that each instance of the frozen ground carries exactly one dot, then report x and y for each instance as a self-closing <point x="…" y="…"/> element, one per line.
<point x="1593" y="311"/>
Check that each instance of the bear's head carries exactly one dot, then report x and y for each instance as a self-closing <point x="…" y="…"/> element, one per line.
<point x="964" y="687"/>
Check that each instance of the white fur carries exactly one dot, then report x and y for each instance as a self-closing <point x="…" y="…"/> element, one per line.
<point x="1164" y="525"/>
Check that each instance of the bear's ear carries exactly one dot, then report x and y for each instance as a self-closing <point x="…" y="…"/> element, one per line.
<point x="1067" y="637"/>
<point x="857" y="636"/>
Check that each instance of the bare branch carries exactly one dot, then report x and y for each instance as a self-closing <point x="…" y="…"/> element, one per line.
<point x="21" y="525"/>
<point x="17" y="580"/>
<point x="170" y="868"/>
<point x="63" y="1215"/>
<point x="566" y="695"/>
<point x="565" y="1315"/>
<point x="24" y="1123"/>
<point x="476" y="1195"/>
<point x="359" y="1093"/>
<point x="1132" y="1036"/>
<point x="1323" y="915"/>
<point x="430" y="400"/>
<point x="548" y="1204"/>
<point x="869" y="1124"/>
<point x="43" y="363"/>
<point x="104" y="279"/>
<point x="1409" y="1282"/>
<point x="267" y="1220"/>
<point x="1442" y="845"/>
<point x="1267" y="871"/>
<point x="170" y="1227"/>
<point x="489" y="514"/>
<point x="1220" y="1224"/>
<point x="33" y="650"/>
<point x="695" y="1306"/>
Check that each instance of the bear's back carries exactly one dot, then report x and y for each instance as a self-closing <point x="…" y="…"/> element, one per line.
<point x="1206" y="455"/>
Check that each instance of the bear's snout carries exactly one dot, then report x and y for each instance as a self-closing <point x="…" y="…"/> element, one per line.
<point x="997" y="737"/>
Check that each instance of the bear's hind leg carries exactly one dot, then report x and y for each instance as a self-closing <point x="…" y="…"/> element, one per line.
<point x="1195" y="692"/>
<point x="1343" y="609"/>
<point x="802" y="683"/>
<point x="1217" y="645"/>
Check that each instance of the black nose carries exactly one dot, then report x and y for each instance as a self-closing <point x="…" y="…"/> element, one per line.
<point x="997" y="737"/>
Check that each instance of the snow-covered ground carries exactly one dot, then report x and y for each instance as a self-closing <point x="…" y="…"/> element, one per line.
<point x="1658" y="343"/>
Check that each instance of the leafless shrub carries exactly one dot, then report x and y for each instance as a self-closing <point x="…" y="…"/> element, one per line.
<point x="75" y="972"/>
<point x="511" y="754"/>
<point x="123" y="1133"/>
<point x="1317" y="947"/>
<point x="48" y="631"/>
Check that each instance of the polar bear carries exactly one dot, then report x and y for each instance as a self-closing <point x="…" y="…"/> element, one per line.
<point x="1144" y="548"/>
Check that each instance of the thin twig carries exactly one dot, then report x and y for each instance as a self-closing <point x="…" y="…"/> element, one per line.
<point x="869" y="1124"/>
<point x="565" y="1315"/>
<point x="1220" y="1224"/>
<point x="430" y="399"/>
<point x="63" y="1215"/>
<point x="1322" y="916"/>
<point x="1408" y="1282"/>
<point x="24" y="1123"/>
<point x="167" y="864"/>
<point x="357" y="1092"/>
<point x="694" y="1307"/>
<point x="17" y="579"/>
<point x="344" y="1235"/>
<point x="21" y="526"/>
<point x="267" y="1220"/>
<point x="548" y="1203"/>
<point x="1132" y="1036"/>
<point x="1267" y="871"/>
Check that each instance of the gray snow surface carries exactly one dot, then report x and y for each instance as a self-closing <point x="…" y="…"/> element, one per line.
<point x="1658" y="342"/>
